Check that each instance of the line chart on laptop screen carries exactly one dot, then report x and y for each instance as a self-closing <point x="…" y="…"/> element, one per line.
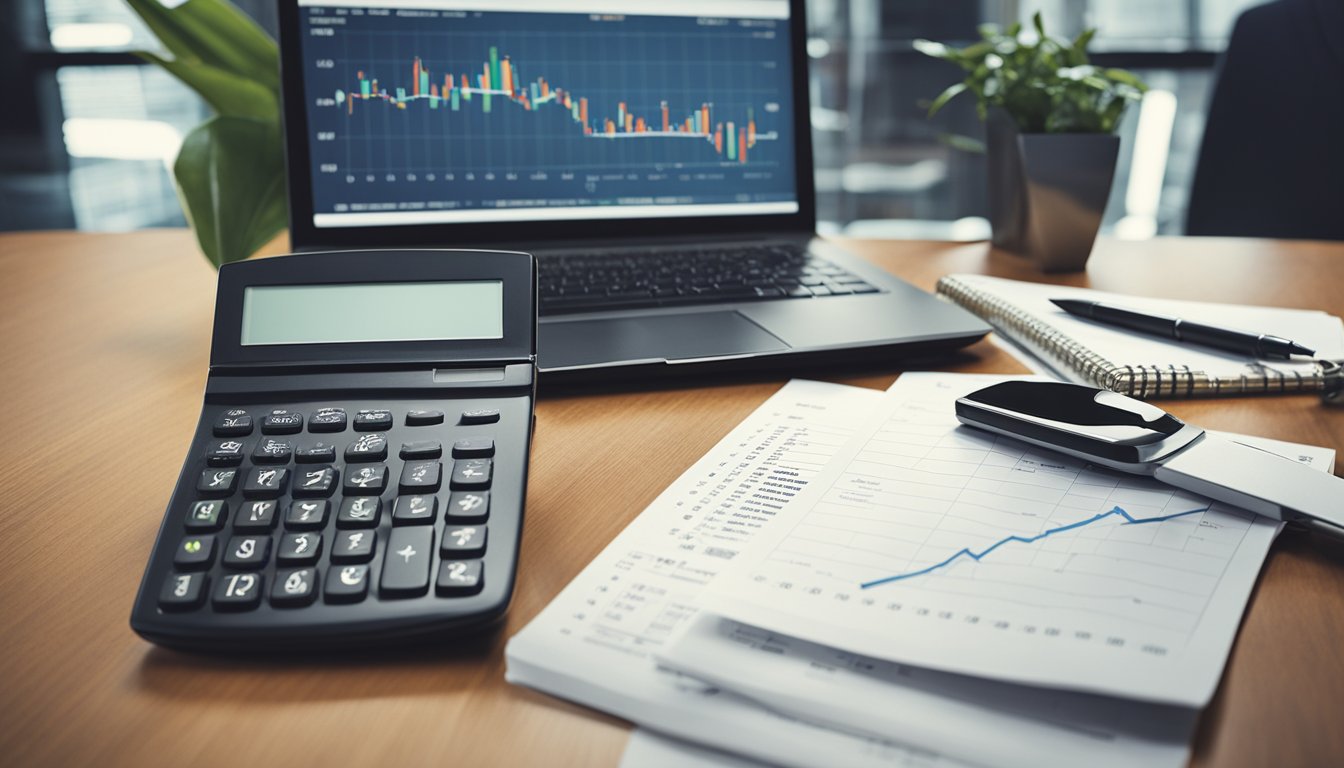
<point x="466" y="112"/>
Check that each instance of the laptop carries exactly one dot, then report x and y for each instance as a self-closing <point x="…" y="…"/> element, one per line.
<point x="656" y="158"/>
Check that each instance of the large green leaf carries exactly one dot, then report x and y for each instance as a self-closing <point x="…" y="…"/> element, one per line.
<point x="229" y="94"/>
<point x="215" y="33"/>
<point x="230" y="177"/>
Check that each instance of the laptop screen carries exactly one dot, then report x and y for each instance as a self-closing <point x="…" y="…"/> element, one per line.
<point x="425" y="112"/>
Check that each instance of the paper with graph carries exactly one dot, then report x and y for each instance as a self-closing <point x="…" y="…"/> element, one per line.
<point x="932" y="544"/>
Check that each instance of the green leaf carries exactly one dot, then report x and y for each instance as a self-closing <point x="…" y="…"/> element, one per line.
<point x="227" y="93"/>
<point x="231" y="179"/>
<point x="963" y="143"/>
<point x="945" y="97"/>
<point x="1038" y="24"/>
<point x="1126" y="77"/>
<point x="215" y="33"/>
<point x="930" y="48"/>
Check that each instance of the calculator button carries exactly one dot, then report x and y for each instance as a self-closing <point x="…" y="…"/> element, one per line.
<point x="182" y="591"/>
<point x="307" y="514"/>
<point x="327" y="420"/>
<point x="272" y="451"/>
<point x="458" y="578"/>
<point x="315" y="453"/>
<point x="472" y="474"/>
<point x="422" y="449"/>
<point x="299" y="549"/>
<point x="224" y="453"/>
<point x="462" y="541"/>
<point x="255" y="516"/>
<point x="373" y="419"/>
<point x="369" y="447"/>
<point x="237" y="592"/>
<point x="368" y="480"/>
<point x="468" y="506"/>
<point x="414" y="510"/>
<point x="347" y="583"/>
<point x="233" y="423"/>
<point x="406" y="562"/>
<point x="281" y="422"/>
<point x="207" y="515"/>
<point x="423" y="418"/>
<point x="265" y="482"/>
<point x="480" y="416"/>
<point x="217" y="482"/>
<point x="294" y="588"/>
<point x="360" y="512"/>
<point x="474" y="448"/>
<point x="247" y="551"/>
<point x="317" y="481"/>
<point x="421" y="477"/>
<point x="195" y="553"/>
<point x="354" y="546"/>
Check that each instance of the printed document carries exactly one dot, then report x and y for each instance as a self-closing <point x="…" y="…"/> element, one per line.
<point x="934" y="545"/>
<point x="594" y="643"/>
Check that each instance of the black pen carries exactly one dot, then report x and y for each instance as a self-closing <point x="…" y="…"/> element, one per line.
<point x="1241" y="342"/>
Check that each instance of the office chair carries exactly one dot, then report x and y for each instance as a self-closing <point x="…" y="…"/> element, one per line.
<point x="1272" y="160"/>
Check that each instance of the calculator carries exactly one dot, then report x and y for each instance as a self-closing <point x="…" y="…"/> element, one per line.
<point x="359" y="470"/>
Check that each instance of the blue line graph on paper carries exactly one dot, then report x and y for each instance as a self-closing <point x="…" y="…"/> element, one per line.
<point x="931" y="516"/>
<point x="978" y="556"/>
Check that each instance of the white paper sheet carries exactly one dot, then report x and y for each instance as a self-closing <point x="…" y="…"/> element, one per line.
<point x="980" y="721"/>
<point x="931" y="544"/>
<point x="647" y="749"/>
<point x="594" y="643"/>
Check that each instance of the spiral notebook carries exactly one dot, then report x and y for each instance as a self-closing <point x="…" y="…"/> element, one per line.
<point x="1143" y="366"/>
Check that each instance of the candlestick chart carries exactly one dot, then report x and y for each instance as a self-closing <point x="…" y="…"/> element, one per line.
<point x="482" y="110"/>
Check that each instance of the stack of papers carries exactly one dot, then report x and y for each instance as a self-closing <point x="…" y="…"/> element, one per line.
<point x="851" y="578"/>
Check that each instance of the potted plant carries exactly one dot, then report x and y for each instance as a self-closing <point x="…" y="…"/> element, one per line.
<point x="1050" y="122"/>
<point x="230" y="171"/>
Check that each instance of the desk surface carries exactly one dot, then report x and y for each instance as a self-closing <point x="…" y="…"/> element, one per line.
<point x="103" y="350"/>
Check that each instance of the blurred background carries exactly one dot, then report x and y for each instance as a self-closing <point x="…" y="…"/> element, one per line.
<point x="90" y="131"/>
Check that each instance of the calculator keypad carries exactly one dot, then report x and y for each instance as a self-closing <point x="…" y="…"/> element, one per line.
<point x="309" y="509"/>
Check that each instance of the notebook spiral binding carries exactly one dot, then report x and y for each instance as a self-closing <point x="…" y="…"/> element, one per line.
<point x="1142" y="381"/>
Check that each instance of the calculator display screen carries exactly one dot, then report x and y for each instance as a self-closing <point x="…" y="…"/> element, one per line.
<point x="373" y="312"/>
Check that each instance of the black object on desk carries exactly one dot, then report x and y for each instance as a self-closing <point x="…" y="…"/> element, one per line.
<point x="1260" y="345"/>
<point x="359" y="468"/>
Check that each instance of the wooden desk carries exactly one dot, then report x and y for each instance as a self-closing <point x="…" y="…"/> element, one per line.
<point x="102" y="365"/>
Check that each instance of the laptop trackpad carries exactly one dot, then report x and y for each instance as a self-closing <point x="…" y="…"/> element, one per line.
<point x="656" y="337"/>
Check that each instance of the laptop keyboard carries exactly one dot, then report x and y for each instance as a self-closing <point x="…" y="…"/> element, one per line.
<point x="613" y="280"/>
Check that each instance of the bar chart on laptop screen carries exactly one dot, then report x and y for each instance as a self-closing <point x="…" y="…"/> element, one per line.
<point x="454" y="114"/>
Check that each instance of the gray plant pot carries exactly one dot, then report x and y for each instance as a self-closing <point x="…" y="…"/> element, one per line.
<point x="1047" y="192"/>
